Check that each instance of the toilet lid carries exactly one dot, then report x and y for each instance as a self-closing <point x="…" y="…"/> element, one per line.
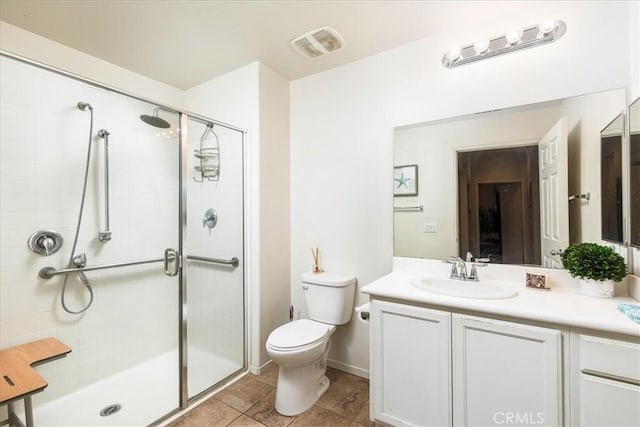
<point x="297" y="334"/>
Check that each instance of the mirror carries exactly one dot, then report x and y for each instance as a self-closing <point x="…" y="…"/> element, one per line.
<point x="634" y="171"/>
<point x="611" y="180"/>
<point x="516" y="185"/>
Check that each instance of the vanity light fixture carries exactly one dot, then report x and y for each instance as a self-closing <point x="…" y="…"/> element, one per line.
<point x="535" y="35"/>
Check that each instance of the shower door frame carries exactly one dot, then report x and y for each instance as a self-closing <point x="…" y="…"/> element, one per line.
<point x="183" y="116"/>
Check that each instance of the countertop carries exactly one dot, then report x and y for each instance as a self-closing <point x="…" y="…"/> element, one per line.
<point x="556" y="306"/>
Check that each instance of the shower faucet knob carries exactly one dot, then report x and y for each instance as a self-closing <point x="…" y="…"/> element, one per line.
<point x="210" y="218"/>
<point x="45" y="242"/>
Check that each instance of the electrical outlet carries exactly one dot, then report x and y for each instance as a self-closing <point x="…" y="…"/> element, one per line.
<point x="430" y="227"/>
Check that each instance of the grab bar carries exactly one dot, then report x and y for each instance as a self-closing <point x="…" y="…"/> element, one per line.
<point x="105" y="236"/>
<point x="49" y="272"/>
<point x="233" y="261"/>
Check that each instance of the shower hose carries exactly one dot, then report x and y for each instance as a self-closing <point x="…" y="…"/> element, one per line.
<point x="70" y="264"/>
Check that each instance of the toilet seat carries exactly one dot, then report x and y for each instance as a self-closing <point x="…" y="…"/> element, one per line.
<point x="298" y="334"/>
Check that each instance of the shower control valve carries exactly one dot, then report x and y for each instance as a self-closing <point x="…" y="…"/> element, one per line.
<point x="210" y="218"/>
<point x="45" y="242"/>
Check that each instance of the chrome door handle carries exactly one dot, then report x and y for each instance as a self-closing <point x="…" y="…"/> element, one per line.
<point x="171" y="255"/>
<point x="559" y="252"/>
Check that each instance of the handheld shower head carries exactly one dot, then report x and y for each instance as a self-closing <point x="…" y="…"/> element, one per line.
<point x="154" y="120"/>
<point x="84" y="106"/>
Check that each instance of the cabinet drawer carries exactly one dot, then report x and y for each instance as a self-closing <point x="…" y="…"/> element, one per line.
<point x="612" y="357"/>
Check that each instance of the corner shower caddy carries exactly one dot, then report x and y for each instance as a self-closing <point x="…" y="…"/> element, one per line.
<point x="209" y="156"/>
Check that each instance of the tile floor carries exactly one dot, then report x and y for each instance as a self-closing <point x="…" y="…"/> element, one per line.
<point x="250" y="402"/>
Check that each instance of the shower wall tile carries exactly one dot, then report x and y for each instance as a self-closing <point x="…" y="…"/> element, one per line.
<point x="43" y="148"/>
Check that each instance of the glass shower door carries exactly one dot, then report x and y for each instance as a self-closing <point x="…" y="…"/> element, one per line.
<point x="122" y="368"/>
<point x="213" y="282"/>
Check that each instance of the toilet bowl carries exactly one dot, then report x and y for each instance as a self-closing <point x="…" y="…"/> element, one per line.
<point x="301" y="348"/>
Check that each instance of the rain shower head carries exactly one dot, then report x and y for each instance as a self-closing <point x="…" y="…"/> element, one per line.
<point x="154" y="120"/>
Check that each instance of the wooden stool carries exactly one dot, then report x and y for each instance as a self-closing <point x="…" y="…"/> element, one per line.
<point x="18" y="379"/>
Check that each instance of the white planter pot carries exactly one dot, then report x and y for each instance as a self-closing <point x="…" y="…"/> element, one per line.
<point x="597" y="289"/>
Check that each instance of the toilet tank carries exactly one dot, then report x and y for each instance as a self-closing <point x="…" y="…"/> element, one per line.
<point x="329" y="297"/>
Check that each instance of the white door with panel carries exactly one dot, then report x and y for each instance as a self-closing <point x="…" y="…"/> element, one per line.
<point x="554" y="194"/>
<point x="411" y="365"/>
<point x="505" y="373"/>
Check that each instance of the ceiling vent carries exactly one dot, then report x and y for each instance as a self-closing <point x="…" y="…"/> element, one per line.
<point x="318" y="42"/>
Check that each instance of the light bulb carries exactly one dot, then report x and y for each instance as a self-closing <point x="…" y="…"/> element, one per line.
<point x="547" y="27"/>
<point x="481" y="46"/>
<point x="453" y="54"/>
<point x="513" y="37"/>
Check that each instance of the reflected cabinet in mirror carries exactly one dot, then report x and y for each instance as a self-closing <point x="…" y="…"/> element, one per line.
<point x="516" y="186"/>
<point x="611" y="180"/>
<point x="634" y="171"/>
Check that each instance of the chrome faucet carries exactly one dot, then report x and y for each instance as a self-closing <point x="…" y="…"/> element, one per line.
<point x="459" y="268"/>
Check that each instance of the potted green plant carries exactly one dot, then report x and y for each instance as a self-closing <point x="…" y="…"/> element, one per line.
<point x="598" y="268"/>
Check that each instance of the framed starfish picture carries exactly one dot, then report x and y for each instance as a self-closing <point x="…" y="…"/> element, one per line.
<point x="405" y="180"/>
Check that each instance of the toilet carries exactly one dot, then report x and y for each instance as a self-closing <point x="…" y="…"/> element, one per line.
<point x="300" y="348"/>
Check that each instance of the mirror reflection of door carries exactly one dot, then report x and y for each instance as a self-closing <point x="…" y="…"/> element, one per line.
<point x="611" y="180"/>
<point x="554" y="194"/>
<point x="499" y="199"/>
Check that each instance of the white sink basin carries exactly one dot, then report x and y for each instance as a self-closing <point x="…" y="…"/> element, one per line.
<point x="468" y="289"/>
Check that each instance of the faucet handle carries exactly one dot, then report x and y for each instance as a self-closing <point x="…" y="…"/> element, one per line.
<point x="473" y="274"/>
<point x="454" y="270"/>
<point x="47" y="244"/>
<point x="462" y="269"/>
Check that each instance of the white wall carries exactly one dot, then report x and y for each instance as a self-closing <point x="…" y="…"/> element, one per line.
<point x="35" y="47"/>
<point x="275" y="252"/>
<point x="342" y="125"/>
<point x="634" y="50"/>
<point x="587" y="116"/>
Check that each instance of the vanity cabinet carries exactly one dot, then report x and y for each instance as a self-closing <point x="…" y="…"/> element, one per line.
<point x="608" y="382"/>
<point x="410" y="365"/>
<point x="505" y="373"/>
<point x="435" y="368"/>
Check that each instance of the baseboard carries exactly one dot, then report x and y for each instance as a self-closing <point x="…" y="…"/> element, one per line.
<point x="257" y="370"/>
<point x="364" y="373"/>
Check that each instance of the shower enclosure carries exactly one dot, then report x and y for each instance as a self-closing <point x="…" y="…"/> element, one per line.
<point x="156" y="280"/>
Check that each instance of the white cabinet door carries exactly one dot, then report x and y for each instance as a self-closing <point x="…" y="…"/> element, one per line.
<point x="410" y="365"/>
<point x="505" y="373"/>
<point x="609" y="381"/>
<point x="604" y="402"/>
